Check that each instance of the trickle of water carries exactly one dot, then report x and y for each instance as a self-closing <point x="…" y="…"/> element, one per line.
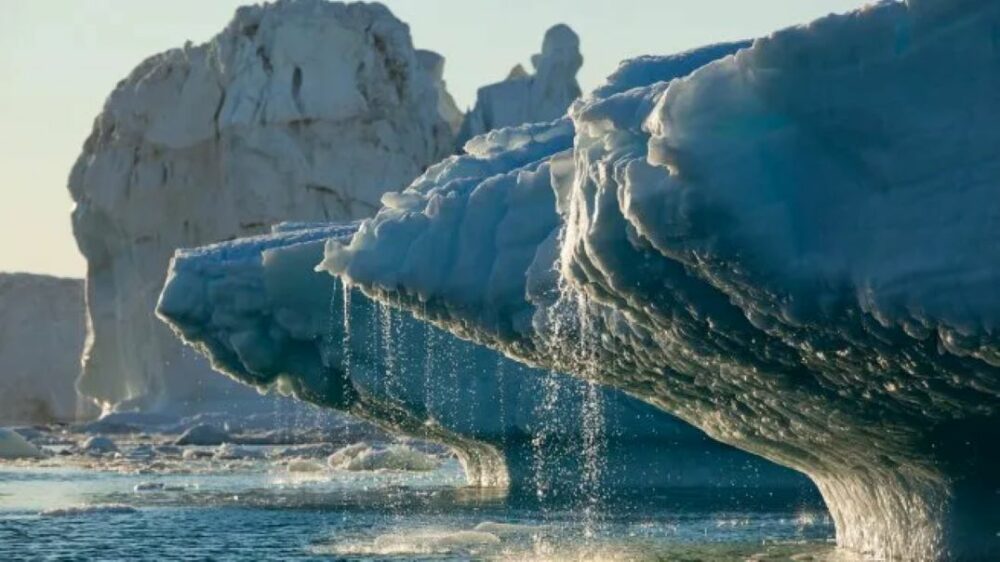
<point x="542" y="441"/>
<point x="594" y="457"/>
<point x="592" y="421"/>
<point x="389" y="341"/>
<point x="501" y="392"/>
<point x="431" y="349"/>
<point x="348" y="354"/>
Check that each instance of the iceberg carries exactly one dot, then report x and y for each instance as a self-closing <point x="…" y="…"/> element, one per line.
<point x="42" y="330"/>
<point x="793" y="248"/>
<point x="297" y="110"/>
<point x="260" y="312"/>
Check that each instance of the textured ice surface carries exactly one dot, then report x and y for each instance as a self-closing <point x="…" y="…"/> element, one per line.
<point x="300" y="110"/>
<point x="260" y="311"/>
<point x="793" y="248"/>
<point x="41" y="338"/>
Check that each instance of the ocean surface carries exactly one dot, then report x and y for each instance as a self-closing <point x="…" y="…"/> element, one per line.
<point x="258" y="505"/>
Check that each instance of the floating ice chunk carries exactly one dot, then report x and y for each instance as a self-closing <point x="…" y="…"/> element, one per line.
<point x="396" y="457"/>
<point x="99" y="445"/>
<point x="76" y="511"/>
<point x="195" y="454"/>
<point x="228" y="451"/>
<point x="316" y="450"/>
<point x="13" y="446"/>
<point x="304" y="465"/>
<point x="345" y="455"/>
<point x="203" y="434"/>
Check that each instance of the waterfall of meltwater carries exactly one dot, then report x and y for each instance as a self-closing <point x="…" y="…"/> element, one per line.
<point x="592" y="423"/>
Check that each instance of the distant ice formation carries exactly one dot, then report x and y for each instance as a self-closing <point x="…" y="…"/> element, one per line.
<point x="42" y="329"/>
<point x="303" y="110"/>
<point x="793" y="248"/>
<point x="530" y="98"/>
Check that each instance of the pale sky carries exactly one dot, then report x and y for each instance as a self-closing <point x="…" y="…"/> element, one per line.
<point x="60" y="58"/>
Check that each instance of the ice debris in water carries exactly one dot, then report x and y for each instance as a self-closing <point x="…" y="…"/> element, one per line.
<point x="203" y="434"/>
<point x="14" y="446"/>
<point x="304" y="465"/>
<point x="99" y="445"/>
<point x="362" y="456"/>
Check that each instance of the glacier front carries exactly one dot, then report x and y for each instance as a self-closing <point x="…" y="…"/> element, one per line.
<point x="793" y="248"/>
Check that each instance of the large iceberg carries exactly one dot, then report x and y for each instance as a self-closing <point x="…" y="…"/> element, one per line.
<point x="793" y="248"/>
<point x="297" y="110"/>
<point x="258" y="309"/>
<point x="41" y="336"/>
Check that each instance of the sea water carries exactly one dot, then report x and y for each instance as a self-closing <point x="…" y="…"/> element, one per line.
<point x="260" y="502"/>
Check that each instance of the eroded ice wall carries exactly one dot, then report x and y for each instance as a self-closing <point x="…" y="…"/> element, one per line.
<point x="793" y="248"/>
<point x="303" y="110"/>
<point x="41" y="336"/>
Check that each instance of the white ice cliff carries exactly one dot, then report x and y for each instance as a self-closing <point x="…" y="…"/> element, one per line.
<point x="530" y="98"/>
<point x="298" y="110"/>
<point x="793" y="248"/>
<point x="42" y="328"/>
<point x="258" y="309"/>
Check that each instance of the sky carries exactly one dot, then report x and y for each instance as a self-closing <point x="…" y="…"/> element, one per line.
<point x="59" y="59"/>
